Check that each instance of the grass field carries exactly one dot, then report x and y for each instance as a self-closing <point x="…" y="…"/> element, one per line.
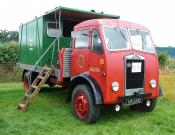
<point x="51" y="115"/>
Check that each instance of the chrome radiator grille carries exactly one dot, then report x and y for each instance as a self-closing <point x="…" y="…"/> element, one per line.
<point x="67" y="62"/>
<point x="134" y="75"/>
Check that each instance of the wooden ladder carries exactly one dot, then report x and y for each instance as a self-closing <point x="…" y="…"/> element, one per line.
<point x="33" y="90"/>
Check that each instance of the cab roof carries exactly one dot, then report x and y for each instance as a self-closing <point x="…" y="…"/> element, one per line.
<point x="110" y="22"/>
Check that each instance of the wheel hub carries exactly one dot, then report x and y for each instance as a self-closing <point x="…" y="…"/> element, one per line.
<point x="81" y="105"/>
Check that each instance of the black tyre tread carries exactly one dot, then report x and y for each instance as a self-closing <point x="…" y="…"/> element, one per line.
<point x="143" y="107"/>
<point x="94" y="109"/>
<point x="51" y="84"/>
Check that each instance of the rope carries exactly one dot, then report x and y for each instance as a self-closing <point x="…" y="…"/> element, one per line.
<point x="57" y="26"/>
<point x="58" y="33"/>
<point x="57" y="37"/>
<point x="52" y="54"/>
<point x="38" y="32"/>
<point x="59" y="23"/>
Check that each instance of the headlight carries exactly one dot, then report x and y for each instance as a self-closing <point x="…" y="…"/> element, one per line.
<point x="153" y="83"/>
<point x="115" y="86"/>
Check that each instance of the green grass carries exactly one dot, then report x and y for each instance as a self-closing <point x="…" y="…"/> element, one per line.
<point x="49" y="114"/>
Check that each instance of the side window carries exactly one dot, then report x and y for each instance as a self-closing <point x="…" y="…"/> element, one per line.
<point x="96" y="42"/>
<point x="52" y="29"/>
<point x="81" y="40"/>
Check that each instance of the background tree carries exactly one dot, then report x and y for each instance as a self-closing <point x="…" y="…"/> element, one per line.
<point x="7" y="36"/>
<point x="163" y="59"/>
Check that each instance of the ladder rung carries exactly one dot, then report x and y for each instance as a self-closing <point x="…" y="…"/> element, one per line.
<point x="45" y="68"/>
<point x="27" y="95"/>
<point x="33" y="86"/>
<point x="22" y="105"/>
<point x="40" y="77"/>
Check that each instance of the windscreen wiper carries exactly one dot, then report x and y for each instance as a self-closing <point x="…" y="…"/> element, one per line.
<point x="123" y="35"/>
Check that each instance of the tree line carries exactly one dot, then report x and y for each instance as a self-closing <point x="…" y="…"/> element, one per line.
<point x="7" y="36"/>
<point x="9" y="47"/>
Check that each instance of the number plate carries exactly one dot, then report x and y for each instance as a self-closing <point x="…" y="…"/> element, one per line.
<point x="133" y="101"/>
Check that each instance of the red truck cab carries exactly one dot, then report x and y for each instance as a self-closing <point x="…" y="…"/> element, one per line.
<point x="112" y="62"/>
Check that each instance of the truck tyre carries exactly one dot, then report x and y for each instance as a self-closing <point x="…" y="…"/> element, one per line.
<point x="26" y="80"/>
<point x="83" y="105"/>
<point x="143" y="107"/>
<point x="51" y="84"/>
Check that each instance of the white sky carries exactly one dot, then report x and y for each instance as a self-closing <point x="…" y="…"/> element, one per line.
<point x="157" y="15"/>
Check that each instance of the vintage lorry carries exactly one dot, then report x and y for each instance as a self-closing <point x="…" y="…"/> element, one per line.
<point x="101" y="59"/>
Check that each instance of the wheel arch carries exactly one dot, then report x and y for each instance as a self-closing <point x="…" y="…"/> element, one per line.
<point x="34" y="74"/>
<point x="86" y="79"/>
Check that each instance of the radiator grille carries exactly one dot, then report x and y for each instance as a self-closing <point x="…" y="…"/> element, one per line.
<point x="67" y="62"/>
<point x="134" y="81"/>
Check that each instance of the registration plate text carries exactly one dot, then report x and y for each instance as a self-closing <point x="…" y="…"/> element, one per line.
<point x="133" y="101"/>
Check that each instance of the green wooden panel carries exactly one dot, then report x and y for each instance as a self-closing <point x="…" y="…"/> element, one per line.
<point x="63" y="43"/>
<point x="22" y="39"/>
<point x="31" y="41"/>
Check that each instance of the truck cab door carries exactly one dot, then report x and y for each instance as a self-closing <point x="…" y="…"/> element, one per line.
<point x="80" y="52"/>
<point x="97" y="58"/>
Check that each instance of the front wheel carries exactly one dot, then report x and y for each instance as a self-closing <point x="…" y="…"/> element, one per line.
<point x="83" y="104"/>
<point x="144" y="107"/>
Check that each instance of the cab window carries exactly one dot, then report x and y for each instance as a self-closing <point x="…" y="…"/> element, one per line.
<point x="81" y="39"/>
<point x="96" y="42"/>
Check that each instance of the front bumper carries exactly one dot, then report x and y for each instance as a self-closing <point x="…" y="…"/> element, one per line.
<point x="124" y="98"/>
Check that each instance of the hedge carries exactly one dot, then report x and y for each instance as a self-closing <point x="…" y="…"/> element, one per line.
<point x="9" y="53"/>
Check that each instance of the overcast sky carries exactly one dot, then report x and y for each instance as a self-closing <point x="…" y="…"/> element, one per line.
<point x="157" y="15"/>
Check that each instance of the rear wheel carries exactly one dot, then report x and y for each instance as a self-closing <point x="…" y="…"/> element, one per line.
<point x="144" y="107"/>
<point x="26" y="82"/>
<point x="51" y="84"/>
<point x="83" y="104"/>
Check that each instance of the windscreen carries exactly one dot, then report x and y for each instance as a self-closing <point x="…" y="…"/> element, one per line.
<point x="141" y="40"/>
<point x="115" y="38"/>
